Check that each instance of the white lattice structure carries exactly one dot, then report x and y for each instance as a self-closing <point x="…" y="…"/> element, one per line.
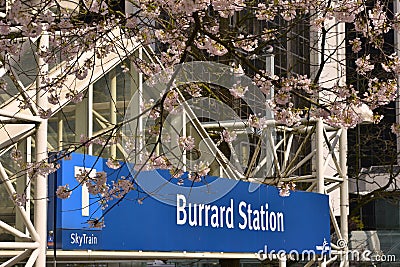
<point x="17" y="126"/>
<point x="313" y="155"/>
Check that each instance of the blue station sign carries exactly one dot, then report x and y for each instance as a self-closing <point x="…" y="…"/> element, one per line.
<point x="240" y="221"/>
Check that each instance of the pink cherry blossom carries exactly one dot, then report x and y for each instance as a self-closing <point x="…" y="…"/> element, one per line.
<point x="380" y="92"/>
<point x="113" y="164"/>
<point x="227" y="8"/>
<point x="63" y="191"/>
<point x="266" y="13"/>
<point x="237" y="70"/>
<point x="257" y="122"/>
<point x="392" y="64"/>
<point x="42" y="168"/>
<point x="96" y="223"/>
<point x="346" y="11"/>
<point x="171" y="102"/>
<point x="317" y="23"/>
<point x="170" y="32"/>
<point x="16" y="155"/>
<point x="159" y="162"/>
<point x="285" y="188"/>
<point x="395" y="128"/>
<point x="75" y="96"/>
<point x="355" y="45"/>
<point x="248" y="43"/>
<point x="176" y="173"/>
<point x="19" y="199"/>
<point x="4" y="28"/>
<point x="97" y="184"/>
<point x="282" y="97"/>
<point x="202" y="169"/>
<point x="228" y="136"/>
<point x="238" y="90"/>
<point x="45" y="114"/>
<point x="287" y="116"/>
<point x="363" y="65"/>
<point x="194" y="90"/>
<point x="265" y="81"/>
<point x="119" y="189"/>
<point x="378" y="18"/>
<point x="186" y="142"/>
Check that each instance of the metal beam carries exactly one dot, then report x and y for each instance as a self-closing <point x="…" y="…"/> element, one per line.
<point x="319" y="161"/>
<point x="13" y="231"/>
<point x="11" y="192"/>
<point x="18" y="258"/>
<point x="40" y="180"/>
<point x="19" y="245"/>
<point x="113" y="107"/>
<point x="344" y="192"/>
<point x="34" y="258"/>
<point x="19" y="116"/>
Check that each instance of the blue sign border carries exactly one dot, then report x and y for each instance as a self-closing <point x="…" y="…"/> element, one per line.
<point x="153" y="226"/>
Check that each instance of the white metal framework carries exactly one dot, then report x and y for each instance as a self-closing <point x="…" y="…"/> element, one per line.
<point x="313" y="155"/>
<point x="17" y="126"/>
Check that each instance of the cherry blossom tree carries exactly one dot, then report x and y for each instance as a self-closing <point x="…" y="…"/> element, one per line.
<point x="73" y="38"/>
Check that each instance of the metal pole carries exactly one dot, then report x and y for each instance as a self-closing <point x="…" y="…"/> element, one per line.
<point x="90" y="117"/>
<point x="113" y="107"/>
<point x="20" y="188"/>
<point x="40" y="210"/>
<point x="140" y="103"/>
<point x="344" y="192"/>
<point x="269" y="155"/>
<point x="319" y="162"/>
<point x="396" y="8"/>
<point x="140" y="80"/>
<point x="81" y="122"/>
<point x="282" y="261"/>
<point x="60" y="130"/>
<point x="11" y="191"/>
<point x="184" y="133"/>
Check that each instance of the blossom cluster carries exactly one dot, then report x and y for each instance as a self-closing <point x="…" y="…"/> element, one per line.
<point x="285" y="188"/>
<point x="82" y="36"/>
<point x="97" y="185"/>
<point x="63" y="191"/>
<point x="184" y="27"/>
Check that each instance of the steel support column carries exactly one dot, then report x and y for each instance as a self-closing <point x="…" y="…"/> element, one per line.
<point x="40" y="210"/>
<point x="90" y="117"/>
<point x="113" y="107"/>
<point x="344" y="193"/>
<point x="396" y="7"/>
<point x="319" y="161"/>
